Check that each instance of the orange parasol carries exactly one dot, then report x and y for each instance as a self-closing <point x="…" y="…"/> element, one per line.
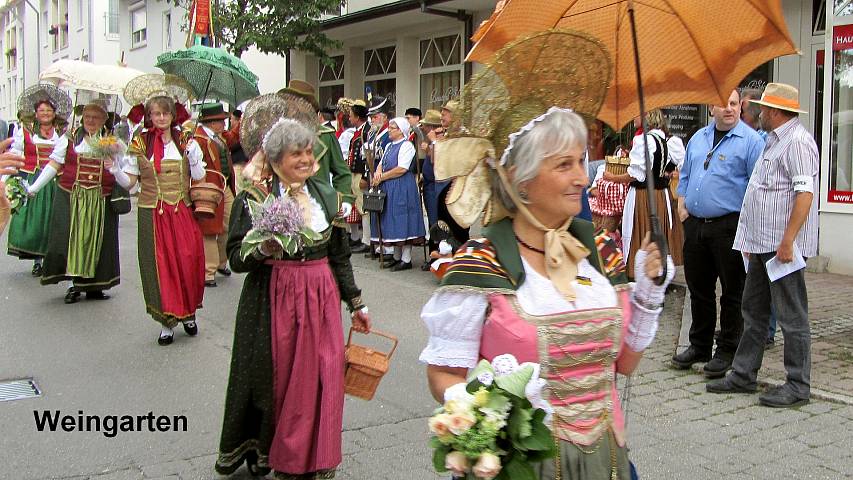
<point x="691" y="51"/>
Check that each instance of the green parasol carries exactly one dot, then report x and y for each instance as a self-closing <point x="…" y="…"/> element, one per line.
<point x="213" y="73"/>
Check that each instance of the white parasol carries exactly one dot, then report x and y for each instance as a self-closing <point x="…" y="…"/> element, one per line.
<point x="80" y="75"/>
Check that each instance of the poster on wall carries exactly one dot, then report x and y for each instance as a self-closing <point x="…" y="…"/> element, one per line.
<point x="841" y="141"/>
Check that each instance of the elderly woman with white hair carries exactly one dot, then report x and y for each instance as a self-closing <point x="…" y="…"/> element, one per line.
<point x="538" y="286"/>
<point x="285" y="398"/>
<point x="402" y="220"/>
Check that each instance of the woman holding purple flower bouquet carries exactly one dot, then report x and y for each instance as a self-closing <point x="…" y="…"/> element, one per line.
<point x="284" y="404"/>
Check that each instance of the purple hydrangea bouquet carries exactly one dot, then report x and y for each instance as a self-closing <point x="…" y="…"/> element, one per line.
<point x="279" y="219"/>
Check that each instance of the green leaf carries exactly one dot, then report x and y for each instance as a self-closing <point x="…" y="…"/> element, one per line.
<point x="497" y="401"/>
<point x="519" y="426"/>
<point x="291" y="248"/>
<point x="483" y="366"/>
<point x="438" y="458"/>
<point x="518" y="468"/>
<point x="246" y="250"/>
<point x="515" y="382"/>
<point x="255" y="208"/>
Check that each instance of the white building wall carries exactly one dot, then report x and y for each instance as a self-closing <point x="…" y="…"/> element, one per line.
<point x="144" y="55"/>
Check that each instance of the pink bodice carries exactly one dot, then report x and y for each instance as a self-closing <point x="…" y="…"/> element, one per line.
<point x="577" y="352"/>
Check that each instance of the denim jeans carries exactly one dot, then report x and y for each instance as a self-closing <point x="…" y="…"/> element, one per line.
<point x="787" y="297"/>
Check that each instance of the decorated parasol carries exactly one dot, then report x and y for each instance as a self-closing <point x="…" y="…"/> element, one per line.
<point x="77" y="74"/>
<point x="685" y="55"/>
<point x="212" y="72"/>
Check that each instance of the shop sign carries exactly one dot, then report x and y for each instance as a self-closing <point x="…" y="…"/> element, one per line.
<point x="440" y="98"/>
<point x="842" y="37"/>
<point x="840" y="196"/>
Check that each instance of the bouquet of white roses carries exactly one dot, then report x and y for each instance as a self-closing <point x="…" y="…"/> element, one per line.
<point x="496" y="425"/>
<point x="16" y="192"/>
<point x="279" y="219"/>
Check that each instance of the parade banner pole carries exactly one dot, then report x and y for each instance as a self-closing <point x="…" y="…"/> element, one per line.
<point x="651" y="199"/>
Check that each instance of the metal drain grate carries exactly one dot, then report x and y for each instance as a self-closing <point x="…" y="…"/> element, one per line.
<point x="18" y="389"/>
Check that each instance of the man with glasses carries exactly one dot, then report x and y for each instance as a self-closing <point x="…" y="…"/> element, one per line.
<point x="711" y="187"/>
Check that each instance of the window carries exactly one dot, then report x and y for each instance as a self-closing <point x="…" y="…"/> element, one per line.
<point x="441" y="70"/>
<point x="841" y="127"/>
<point x="332" y="82"/>
<point x="80" y="14"/>
<point x="843" y="7"/>
<point x="54" y="25"/>
<point x="11" y="44"/>
<point x="112" y="19"/>
<point x="380" y="74"/>
<point x="818" y="17"/>
<point x="138" y="27"/>
<point x="63" y="23"/>
<point x="167" y="30"/>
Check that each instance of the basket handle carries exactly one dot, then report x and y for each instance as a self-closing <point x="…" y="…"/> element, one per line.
<point x="381" y="334"/>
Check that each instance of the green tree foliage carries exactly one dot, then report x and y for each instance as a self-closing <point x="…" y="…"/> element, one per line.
<point x="272" y="26"/>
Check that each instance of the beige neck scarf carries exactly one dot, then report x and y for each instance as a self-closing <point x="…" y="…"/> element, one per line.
<point x="563" y="251"/>
<point x="297" y="192"/>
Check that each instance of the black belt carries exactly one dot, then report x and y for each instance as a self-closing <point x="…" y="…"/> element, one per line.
<point x="715" y="219"/>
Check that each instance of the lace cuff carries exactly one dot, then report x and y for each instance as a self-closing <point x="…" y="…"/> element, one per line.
<point x="451" y="353"/>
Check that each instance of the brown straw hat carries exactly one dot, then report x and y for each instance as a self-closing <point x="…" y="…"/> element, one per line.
<point x="432" y="118"/>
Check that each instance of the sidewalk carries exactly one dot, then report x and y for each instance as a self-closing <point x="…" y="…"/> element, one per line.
<point x="831" y="318"/>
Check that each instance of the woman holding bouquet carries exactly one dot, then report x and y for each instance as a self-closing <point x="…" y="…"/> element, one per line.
<point x="539" y="285"/>
<point x="29" y="226"/>
<point x="284" y="404"/>
<point x="171" y="257"/>
<point x="83" y="239"/>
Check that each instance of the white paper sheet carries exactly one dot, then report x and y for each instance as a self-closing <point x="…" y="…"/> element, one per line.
<point x="777" y="269"/>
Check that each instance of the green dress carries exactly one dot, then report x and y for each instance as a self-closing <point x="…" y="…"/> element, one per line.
<point x="30" y="225"/>
<point x="83" y="239"/>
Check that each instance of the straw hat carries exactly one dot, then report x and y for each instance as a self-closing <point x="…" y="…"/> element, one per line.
<point x="781" y="96"/>
<point x="432" y="118"/>
<point x="451" y="106"/>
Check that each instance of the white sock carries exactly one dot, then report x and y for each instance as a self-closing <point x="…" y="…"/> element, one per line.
<point x="407" y="254"/>
<point x="397" y="253"/>
<point x="166" y="332"/>
<point x="355" y="232"/>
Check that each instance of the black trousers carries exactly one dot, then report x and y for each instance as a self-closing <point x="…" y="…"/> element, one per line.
<point x="708" y="256"/>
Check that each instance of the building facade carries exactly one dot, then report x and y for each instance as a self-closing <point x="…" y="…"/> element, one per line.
<point x="412" y="51"/>
<point x="151" y="27"/>
<point x="35" y="33"/>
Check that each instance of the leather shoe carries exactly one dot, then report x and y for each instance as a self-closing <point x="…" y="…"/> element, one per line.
<point x="687" y="358"/>
<point x="224" y="271"/>
<point x="401" y="266"/>
<point x="97" y="295"/>
<point x="426" y="266"/>
<point x="165" y="339"/>
<point x="37" y="270"/>
<point x="781" y="397"/>
<point x="191" y="328"/>
<point x="360" y="248"/>
<point x="390" y="263"/>
<point x="72" y="296"/>
<point x="724" y="385"/>
<point x="718" y="366"/>
<point x="210" y="283"/>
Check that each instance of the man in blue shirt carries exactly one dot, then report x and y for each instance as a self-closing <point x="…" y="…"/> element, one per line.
<point x="711" y="187"/>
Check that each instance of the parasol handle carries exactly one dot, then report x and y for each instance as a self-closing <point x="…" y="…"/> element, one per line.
<point x="651" y="199"/>
<point x="203" y="98"/>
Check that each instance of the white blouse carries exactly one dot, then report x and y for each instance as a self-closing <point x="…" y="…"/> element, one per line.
<point x="405" y="155"/>
<point x="318" y="216"/>
<point x="130" y="163"/>
<point x="675" y="153"/>
<point x="60" y="144"/>
<point x="455" y="319"/>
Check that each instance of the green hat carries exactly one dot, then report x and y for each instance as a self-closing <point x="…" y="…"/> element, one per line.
<point x="211" y="111"/>
<point x="302" y="89"/>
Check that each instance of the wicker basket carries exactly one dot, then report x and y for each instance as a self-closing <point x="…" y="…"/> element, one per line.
<point x="617" y="165"/>
<point x="365" y="367"/>
<point x="207" y="194"/>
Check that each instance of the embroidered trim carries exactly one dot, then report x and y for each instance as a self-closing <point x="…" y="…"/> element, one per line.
<point x="515" y="136"/>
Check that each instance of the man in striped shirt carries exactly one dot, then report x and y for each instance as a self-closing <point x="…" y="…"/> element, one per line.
<point x="778" y="219"/>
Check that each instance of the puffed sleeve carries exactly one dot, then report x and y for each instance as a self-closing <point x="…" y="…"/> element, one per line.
<point x="675" y="148"/>
<point x="455" y="323"/>
<point x="406" y="155"/>
<point x="17" y="141"/>
<point x="637" y="168"/>
<point x="130" y="164"/>
<point x="60" y="147"/>
<point x="195" y="157"/>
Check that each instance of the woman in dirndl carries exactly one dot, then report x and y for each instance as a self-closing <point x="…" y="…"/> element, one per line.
<point x="163" y="160"/>
<point x="536" y="285"/>
<point x="285" y="397"/>
<point x="30" y="225"/>
<point x="401" y="221"/>
<point x="83" y="239"/>
<point x="667" y="154"/>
